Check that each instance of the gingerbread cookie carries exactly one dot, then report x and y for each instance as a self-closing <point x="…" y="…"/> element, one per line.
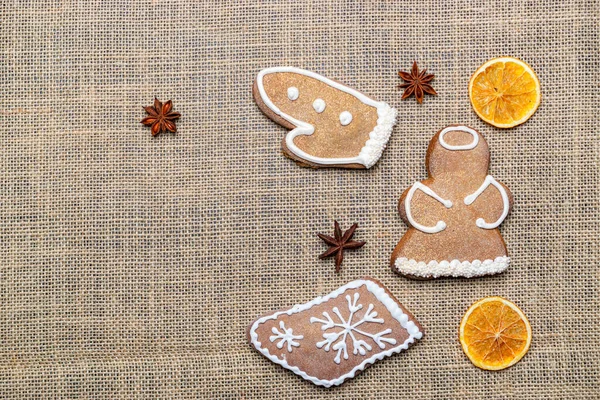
<point x="331" y="124"/>
<point x="332" y="338"/>
<point x="453" y="215"/>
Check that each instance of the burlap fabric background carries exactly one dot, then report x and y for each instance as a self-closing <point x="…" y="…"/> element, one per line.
<point x="132" y="265"/>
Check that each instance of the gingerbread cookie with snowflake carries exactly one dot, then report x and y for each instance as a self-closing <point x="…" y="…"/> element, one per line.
<point x="332" y="338"/>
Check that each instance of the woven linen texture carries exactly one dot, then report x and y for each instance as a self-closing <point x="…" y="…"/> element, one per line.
<point x="132" y="265"/>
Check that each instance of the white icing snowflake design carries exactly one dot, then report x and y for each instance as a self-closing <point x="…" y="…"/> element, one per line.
<point x="285" y="336"/>
<point x="337" y="340"/>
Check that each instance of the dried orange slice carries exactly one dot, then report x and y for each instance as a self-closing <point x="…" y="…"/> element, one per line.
<point x="495" y="333"/>
<point x="505" y="92"/>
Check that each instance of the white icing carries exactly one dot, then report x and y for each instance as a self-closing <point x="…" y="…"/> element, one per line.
<point x="489" y="180"/>
<point x="345" y="118"/>
<point x="285" y="336"/>
<point x="350" y="328"/>
<point x="454" y="268"/>
<point x="379" y="293"/>
<point x="441" y="225"/>
<point x="319" y="105"/>
<point x="293" y="93"/>
<point x="378" y="137"/>
<point x="469" y="146"/>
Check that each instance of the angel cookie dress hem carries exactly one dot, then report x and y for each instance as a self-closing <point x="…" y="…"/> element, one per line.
<point x="454" y="268"/>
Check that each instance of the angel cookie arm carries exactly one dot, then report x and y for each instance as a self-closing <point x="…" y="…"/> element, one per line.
<point x="441" y="225"/>
<point x="506" y="203"/>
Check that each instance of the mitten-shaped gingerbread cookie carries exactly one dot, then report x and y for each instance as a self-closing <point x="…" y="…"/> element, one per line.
<point x="331" y="124"/>
<point x="454" y="214"/>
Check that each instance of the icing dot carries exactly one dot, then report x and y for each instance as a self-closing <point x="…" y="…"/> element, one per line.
<point x="293" y="93"/>
<point x="319" y="105"/>
<point x="345" y="118"/>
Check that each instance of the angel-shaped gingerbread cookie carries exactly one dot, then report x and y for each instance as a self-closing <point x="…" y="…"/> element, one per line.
<point x="454" y="214"/>
<point x="331" y="124"/>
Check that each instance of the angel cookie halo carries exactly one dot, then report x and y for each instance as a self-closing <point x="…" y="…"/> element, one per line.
<point x="454" y="214"/>
<point x="331" y="124"/>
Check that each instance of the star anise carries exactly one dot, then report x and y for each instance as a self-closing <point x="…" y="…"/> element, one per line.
<point x="339" y="243"/>
<point x="416" y="83"/>
<point x="160" y="117"/>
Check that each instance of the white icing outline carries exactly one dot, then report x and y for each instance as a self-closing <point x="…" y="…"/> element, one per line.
<point x="378" y="138"/>
<point x="489" y="180"/>
<point x="319" y="105"/>
<point x="461" y="128"/>
<point x="454" y="268"/>
<point x="441" y="225"/>
<point x="293" y="93"/>
<point x="345" y="118"/>
<point x="381" y="295"/>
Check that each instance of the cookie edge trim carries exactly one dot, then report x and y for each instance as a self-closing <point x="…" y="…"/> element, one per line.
<point x="380" y="293"/>
<point x="454" y="268"/>
<point x="369" y="154"/>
